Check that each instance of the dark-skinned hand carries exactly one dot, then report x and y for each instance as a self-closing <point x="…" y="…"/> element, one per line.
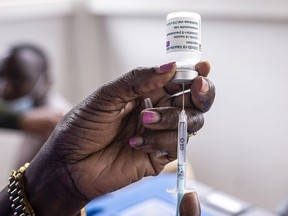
<point x="110" y="140"/>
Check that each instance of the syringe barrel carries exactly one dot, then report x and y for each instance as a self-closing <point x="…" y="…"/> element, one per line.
<point x="182" y="138"/>
<point x="181" y="152"/>
<point x="181" y="155"/>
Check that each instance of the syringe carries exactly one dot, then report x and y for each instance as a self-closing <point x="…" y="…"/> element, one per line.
<point x="186" y="59"/>
<point x="181" y="156"/>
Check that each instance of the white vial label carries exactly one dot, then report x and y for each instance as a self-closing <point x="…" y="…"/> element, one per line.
<point x="183" y="34"/>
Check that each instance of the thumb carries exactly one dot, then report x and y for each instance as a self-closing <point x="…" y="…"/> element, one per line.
<point x="135" y="84"/>
<point x="190" y="205"/>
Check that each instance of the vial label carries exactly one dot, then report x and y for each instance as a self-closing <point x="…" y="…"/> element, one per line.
<point x="183" y="34"/>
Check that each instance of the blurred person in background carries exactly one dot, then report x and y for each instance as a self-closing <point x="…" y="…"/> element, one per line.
<point x="26" y="100"/>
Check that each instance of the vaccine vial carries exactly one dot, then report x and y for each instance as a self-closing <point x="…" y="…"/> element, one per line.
<point x="183" y="44"/>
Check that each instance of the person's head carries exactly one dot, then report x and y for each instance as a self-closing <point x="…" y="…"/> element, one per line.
<point x="24" y="71"/>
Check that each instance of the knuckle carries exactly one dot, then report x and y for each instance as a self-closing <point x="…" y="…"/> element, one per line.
<point x="170" y="118"/>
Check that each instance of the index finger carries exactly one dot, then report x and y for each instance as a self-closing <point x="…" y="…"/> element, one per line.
<point x="135" y="84"/>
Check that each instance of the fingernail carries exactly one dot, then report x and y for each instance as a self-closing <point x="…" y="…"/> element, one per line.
<point x="204" y="86"/>
<point x="135" y="141"/>
<point x="150" y="117"/>
<point x="166" y="67"/>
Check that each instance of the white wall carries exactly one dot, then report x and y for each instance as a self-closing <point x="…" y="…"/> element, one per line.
<point x="241" y="149"/>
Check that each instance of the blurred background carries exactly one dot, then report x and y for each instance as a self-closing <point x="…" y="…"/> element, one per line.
<point x="242" y="148"/>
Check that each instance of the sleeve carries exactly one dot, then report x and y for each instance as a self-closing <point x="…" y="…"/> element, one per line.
<point x="9" y="120"/>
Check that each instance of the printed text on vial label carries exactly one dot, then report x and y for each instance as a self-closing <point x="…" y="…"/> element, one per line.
<point x="183" y="35"/>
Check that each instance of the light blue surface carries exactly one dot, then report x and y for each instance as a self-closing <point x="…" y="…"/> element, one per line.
<point x="146" y="197"/>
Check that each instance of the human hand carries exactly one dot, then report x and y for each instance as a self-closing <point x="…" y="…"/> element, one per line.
<point x="190" y="205"/>
<point x="40" y="121"/>
<point x="88" y="153"/>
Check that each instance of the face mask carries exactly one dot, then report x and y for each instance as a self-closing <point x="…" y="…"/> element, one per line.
<point x="21" y="104"/>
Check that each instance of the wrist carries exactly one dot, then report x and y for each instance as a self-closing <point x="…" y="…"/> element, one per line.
<point x="49" y="192"/>
<point x="5" y="207"/>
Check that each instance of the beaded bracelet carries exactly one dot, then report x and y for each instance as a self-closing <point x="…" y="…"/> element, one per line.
<point x="20" y="203"/>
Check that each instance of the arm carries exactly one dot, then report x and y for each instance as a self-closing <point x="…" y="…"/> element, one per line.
<point x="40" y="121"/>
<point x="9" y="120"/>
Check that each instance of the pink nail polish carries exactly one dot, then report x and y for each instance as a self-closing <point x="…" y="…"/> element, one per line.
<point x="150" y="117"/>
<point x="166" y="67"/>
<point x="135" y="141"/>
